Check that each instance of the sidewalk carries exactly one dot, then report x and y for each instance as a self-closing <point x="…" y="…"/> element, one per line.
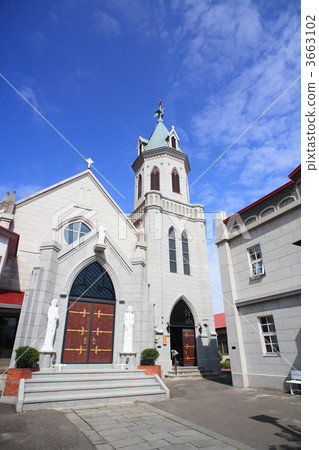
<point x="138" y="426"/>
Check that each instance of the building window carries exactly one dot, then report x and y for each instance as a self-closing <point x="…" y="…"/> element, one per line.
<point x="139" y="187"/>
<point x="267" y="211"/>
<point x="173" y="142"/>
<point x="172" y="250"/>
<point x="286" y="201"/>
<point x="234" y="229"/>
<point x="175" y="181"/>
<point x="256" y="262"/>
<point x="155" y="180"/>
<point x="74" y="231"/>
<point x="222" y="341"/>
<point x="250" y="220"/>
<point x="269" y="335"/>
<point x="185" y="254"/>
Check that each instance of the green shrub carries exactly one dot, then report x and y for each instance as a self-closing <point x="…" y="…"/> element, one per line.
<point x="26" y="356"/>
<point x="220" y="355"/>
<point x="148" y="356"/>
<point x="226" y="363"/>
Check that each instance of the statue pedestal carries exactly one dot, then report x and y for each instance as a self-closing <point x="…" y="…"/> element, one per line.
<point x="99" y="248"/>
<point x="46" y="360"/>
<point x="128" y="360"/>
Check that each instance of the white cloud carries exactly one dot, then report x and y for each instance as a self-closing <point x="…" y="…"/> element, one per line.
<point x="106" y="23"/>
<point x="30" y="95"/>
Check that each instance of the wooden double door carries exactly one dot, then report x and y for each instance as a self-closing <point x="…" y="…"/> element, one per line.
<point x="89" y="333"/>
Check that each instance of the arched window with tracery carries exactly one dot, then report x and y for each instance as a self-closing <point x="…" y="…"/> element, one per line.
<point x="185" y="254"/>
<point x="139" y="187"/>
<point x="175" y="181"/>
<point x="172" y="250"/>
<point x="155" y="179"/>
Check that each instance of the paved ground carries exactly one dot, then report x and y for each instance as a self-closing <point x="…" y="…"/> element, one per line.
<point x="39" y="430"/>
<point x="260" y="418"/>
<point x="139" y="426"/>
<point x="200" y="414"/>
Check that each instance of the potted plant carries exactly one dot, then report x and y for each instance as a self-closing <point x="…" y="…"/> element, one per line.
<point x="225" y="364"/>
<point x="148" y="357"/>
<point x="26" y="362"/>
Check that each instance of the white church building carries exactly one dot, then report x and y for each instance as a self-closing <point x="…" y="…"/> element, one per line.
<point x="72" y="243"/>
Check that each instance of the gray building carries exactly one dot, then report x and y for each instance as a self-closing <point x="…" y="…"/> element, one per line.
<point x="259" y="259"/>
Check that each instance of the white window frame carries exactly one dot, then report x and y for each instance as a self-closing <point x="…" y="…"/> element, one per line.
<point x="255" y="260"/>
<point x="77" y="232"/>
<point x="268" y="335"/>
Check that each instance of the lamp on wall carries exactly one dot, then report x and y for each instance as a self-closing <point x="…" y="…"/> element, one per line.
<point x="168" y="327"/>
<point x="200" y="329"/>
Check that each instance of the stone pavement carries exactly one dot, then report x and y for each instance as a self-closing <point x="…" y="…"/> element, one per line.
<point x="199" y="414"/>
<point x="138" y="426"/>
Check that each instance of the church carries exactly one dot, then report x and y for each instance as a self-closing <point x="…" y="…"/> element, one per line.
<point x="119" y="283"/>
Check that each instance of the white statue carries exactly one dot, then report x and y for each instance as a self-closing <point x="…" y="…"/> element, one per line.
<point x="102" y="234"/>
<point x="53" y="316"/>
<point x="128" y="330"/>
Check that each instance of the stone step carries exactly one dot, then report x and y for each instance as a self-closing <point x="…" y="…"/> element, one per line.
<point x="54" y="393"/>
<point x="84" y="385"/>
<point x="65" y="389"/>
<point x="93" y="399"/>
<point x="193" y="372"/>
<point x="71" y="380"/>
<point x="65" y="374"/>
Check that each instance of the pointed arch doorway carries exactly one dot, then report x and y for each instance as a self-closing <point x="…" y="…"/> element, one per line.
<point x="182" y="334"/>
<point x="88" y="337"/>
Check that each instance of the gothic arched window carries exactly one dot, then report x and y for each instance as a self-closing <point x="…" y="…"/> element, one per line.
<point x="185" y="254"/>
<point x="139" y="187"/>
<point x="172" y="250"/>
<point x="173" y="142"/>
<point x="155" y="179"/>
<point x="93" y="282"/>
<point x="181" y="315"/>
<point x="175" y="181"/>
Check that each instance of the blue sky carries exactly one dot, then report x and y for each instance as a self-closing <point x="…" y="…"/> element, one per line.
<point x="96" y="70"/>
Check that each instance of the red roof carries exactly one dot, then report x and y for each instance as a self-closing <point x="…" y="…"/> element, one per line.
<point x="13" y="240"/>
<point x="266" y="196"/>
<point x="220" y="320"/>
<point x="293" y="173"/>
<point x="11" y="297"/>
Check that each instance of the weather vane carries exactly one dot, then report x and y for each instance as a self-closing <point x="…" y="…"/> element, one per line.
<point x="160" y="112"/>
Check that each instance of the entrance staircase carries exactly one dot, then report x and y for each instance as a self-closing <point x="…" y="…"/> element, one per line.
<point x="190" y="373"/>
<point x="83" y="386"/>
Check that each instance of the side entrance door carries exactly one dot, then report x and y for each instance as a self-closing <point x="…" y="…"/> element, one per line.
<point x="189" y="348"/>
<point x="89" y="333"/>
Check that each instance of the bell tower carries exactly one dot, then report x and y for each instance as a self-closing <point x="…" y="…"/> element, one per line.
<point x="161" y="166"/>
<point x="172" y="237"/>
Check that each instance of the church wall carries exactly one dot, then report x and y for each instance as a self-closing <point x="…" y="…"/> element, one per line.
<point x="56" y="282"/>
<point x="167" y="288"/>
<point x="35" y="220"/>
